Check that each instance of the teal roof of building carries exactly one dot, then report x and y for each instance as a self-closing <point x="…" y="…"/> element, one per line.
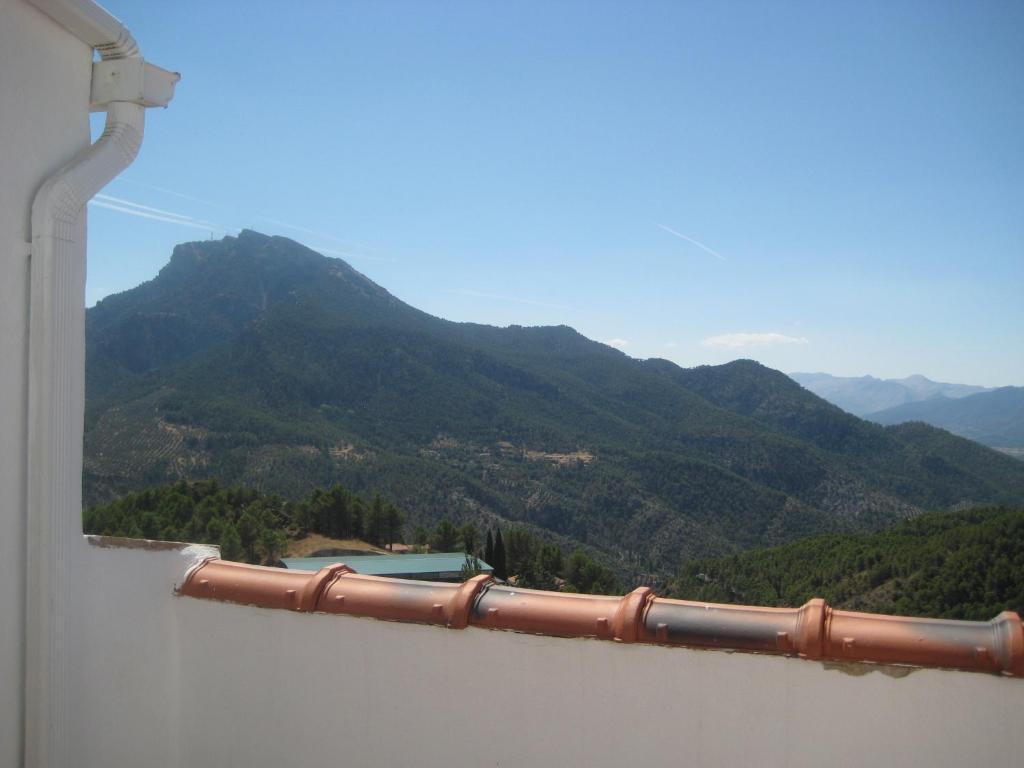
<point x="389" y="565"/>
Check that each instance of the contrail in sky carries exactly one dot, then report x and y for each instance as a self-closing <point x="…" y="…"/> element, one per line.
<point x="159" y="214"/>
<point x="700" y="245"/>
<point x="168" y="191"/>
<point x="159" y="211"/>
<point x="276" y="222"/>
<point x="481" y="295"/>
<point x="149" y="213"/>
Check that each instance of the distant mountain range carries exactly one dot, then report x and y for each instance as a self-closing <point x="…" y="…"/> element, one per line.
<point x="861" y="395"/>
<point x="256" y="360"/>
<point x="994" y="417"/>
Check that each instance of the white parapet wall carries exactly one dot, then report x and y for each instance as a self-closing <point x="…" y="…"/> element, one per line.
<point x="177" y="681"/>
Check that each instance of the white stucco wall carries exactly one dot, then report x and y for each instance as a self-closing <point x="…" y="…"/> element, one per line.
<point x="173" y="681"/>
<point x="126" y="687"/>
<point x="38" y="136"/>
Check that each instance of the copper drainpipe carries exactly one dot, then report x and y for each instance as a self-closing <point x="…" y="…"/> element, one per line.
<point x="813" y="631"/>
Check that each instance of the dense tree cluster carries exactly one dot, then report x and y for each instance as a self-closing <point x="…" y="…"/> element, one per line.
<point x="253" y="527"/>
<point x="527" y="560"/>
<point x="340" y="514"/>
<point x="961" y="565"/>
<point x="247" y="525"/>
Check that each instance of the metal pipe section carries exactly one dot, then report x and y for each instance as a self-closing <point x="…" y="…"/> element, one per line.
<point x="55" y="416"/>
<point x="424" y="602"/>
<point x="124" y="86"/>
<point x="992" y="646"/>
<point x="545" y="613"/>
<point x="813" y="631"/>
<point x="709" y="625"/>
<point x="252" y="584"/>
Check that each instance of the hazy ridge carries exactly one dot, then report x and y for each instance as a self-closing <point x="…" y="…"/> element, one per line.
<point x="862" y="395"/>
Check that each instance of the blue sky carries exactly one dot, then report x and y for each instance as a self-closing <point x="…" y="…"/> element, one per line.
<point x="820" y="186"/>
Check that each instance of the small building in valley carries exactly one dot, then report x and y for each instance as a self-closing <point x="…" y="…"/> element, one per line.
<point x="441" y="566"/>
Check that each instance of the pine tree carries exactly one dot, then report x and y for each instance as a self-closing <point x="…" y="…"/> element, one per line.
<point x="339" y="517"/>
<point x="446" y="537"/>
<point x="248" y="530"/>
<point x="230" y="543"/>
<point x="499" y="557"/>
<point x="468" y="534"/>
<point x="318" y="511"/>
<point x="360" y="528"/>
<point x="395" y="520"/>
<point x="489" y="549"/>
<point x="272" y="542"/>
<point x="376" y="522"/>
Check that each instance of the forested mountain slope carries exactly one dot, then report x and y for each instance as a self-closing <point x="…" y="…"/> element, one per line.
<point x="961" y="565"/>
<point x="255" y="360"/>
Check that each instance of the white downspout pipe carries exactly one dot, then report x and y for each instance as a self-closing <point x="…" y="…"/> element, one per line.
<point x="124" y="85"/>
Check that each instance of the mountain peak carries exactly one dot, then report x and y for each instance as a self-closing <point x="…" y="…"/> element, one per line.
<point x="212" y="290"/>
<point x="240" y="257"/>
<point x="252" y="235"/>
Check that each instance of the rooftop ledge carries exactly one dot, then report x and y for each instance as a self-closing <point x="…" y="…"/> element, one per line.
<point x="814" y="631"/>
